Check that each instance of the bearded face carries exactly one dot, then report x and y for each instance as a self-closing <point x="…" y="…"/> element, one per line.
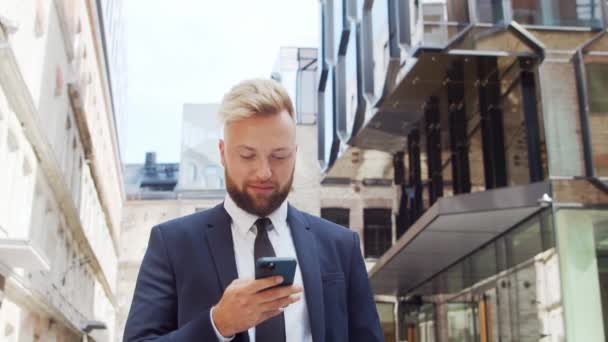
<point x="258" y="154"/>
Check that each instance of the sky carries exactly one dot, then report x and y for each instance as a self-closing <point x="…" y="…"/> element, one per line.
<point x="193" y="51"/>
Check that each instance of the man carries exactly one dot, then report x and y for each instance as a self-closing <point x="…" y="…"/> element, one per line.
<point x="196" y="282"/>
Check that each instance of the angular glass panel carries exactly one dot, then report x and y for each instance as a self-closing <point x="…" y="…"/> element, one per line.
<point x="489" y="11"/>
<point x="353" y="101"/>
<point x="524" y="242"/>
<point x="326" y="125"/>
<point x="380" y="38"/>
<point x="438" y="21"/>
<point x="581" y="13"/>
<point x="306" y="86"/>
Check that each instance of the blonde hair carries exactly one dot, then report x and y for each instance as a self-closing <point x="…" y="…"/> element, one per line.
<point x="254" y="97"/>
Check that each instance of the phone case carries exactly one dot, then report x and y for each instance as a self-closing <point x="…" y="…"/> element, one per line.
<point x="272" y="266"/>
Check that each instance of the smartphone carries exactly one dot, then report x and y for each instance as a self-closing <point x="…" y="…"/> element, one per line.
<point x="273" y="266"/>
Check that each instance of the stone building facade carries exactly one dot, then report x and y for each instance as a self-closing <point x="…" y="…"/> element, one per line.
<point x="61" y="177"/>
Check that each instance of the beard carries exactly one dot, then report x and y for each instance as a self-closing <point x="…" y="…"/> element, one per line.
<point x="260" y="205"/>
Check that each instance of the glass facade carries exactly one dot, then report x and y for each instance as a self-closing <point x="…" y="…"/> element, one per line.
<point x="350" y="120"/>
<point x="585" y="13"/>
<point x="499" y="105"/>
<point x="437" y="22"/>
<point x="505" y="291"/>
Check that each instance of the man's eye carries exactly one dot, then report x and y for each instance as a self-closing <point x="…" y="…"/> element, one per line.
<point x="248" y="157"/>
<point x="279" y="156"/>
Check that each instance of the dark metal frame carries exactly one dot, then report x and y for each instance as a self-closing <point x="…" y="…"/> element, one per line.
<point x="531" y="120"/>
<point x="492" y="128"/>
<point x="583" y="105"/>
<point x="459" y="144"/>
<point x="433" y="149"/>
<point x="414" y="176"/>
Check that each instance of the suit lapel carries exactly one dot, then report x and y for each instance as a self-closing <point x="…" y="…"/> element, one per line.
<point x="219" y="239"/>
<point x="221" y="248"/>
<point x="308" y="258"/>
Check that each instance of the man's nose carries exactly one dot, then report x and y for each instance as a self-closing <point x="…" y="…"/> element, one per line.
<point x="263" y="170"/>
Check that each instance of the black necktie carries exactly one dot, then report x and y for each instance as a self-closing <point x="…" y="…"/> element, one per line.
<point x="273" y="329"/>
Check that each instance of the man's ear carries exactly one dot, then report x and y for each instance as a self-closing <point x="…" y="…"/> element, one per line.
<point x="222" y="148"/>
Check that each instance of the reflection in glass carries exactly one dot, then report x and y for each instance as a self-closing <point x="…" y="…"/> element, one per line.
<point x="326" y="127"/>
<point x="438" y="21"/>
<point x="601" y="247"/>
<point x="348" y="125"/>
<point x="380" y="38"/>
<point x="386" y="312"/>
<point x="524" y="242"/>
<point x="462" y="322"/>
<point x="487" y="300"/>
<point x="597" y="79"/>
<point x="426" y="324"/>
<point x="489" y="11"/>
<point x="558" y="12"/>
<point x="418" y="323"/>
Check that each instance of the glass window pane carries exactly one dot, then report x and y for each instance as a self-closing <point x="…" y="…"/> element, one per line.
<point x="462" y="322"/>
<point x="386" y="312"/>
<point x="524" y="242"/>
<point x="558" y="12"/>
<point x="489" y="11"/>
<point x="377" y="235"/>
<point x="597" y="79"/>
<point x="484" y="263"/>
<point x="601" y="247"/>
<point x="337" y="215"/>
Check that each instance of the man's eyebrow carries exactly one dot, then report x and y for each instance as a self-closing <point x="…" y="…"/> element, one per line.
<point x="246" y="147"/>
<point x="281" y="149"/>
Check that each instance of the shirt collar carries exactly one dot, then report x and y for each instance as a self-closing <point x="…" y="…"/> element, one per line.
<point x="243" y="221"/>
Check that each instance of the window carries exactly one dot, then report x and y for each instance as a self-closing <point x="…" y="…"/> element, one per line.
<point x="489" y="11"/>
<point x="386" y="313"/>
<point x="377" y="235"/>
<point x="558" y="12"/>
<point x="337" y="215"/>
<point x="597" y="85"/>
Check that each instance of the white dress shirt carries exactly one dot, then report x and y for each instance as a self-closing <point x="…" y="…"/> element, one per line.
<point x="297" y="325"/>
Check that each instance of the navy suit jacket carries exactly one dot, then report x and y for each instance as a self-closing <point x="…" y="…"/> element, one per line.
<point x="190" y="261"/>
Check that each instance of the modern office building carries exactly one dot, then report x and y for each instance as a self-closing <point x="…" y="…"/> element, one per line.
<point x="488" y="122"/>
<point x="339" y="200"/>
<point x="200" y="157"/>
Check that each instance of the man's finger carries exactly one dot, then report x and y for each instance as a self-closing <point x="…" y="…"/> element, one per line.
<point x="279" y="303"/>
<point x="264" y="283"/>
<point x="277" y="293"/>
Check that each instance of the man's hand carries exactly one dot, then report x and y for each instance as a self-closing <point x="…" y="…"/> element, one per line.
<point x="248" y="302"/>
